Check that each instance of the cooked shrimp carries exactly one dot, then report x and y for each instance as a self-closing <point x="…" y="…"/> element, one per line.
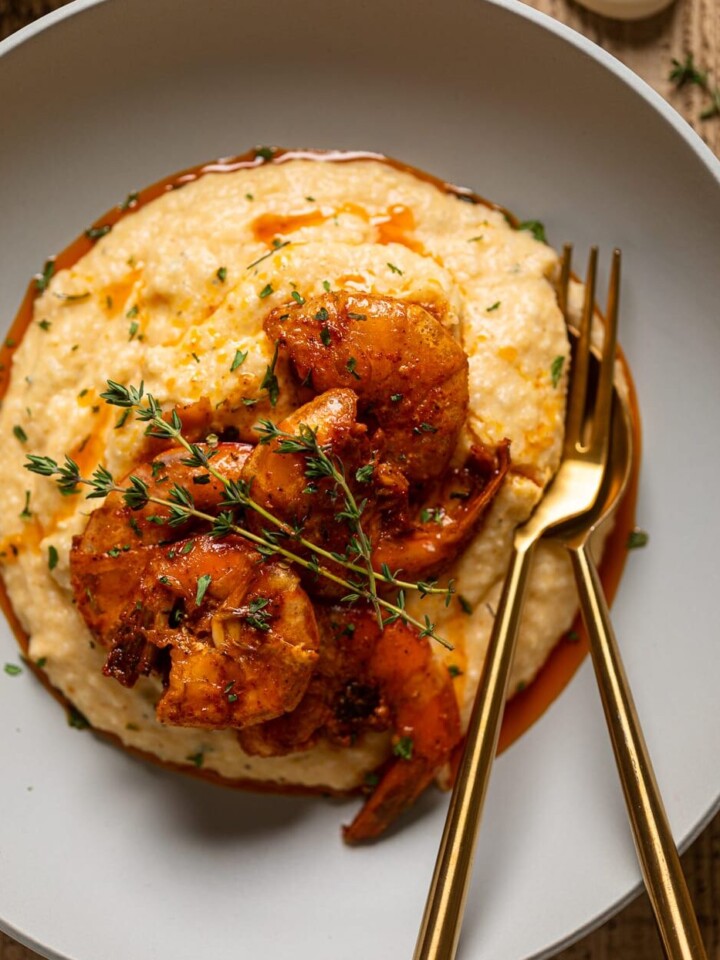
<point x="449" y="516"/>
<point x="279" y="481"/>
<point x="410" y="375"/>
<point x="371" y="679"/>
<point x="237" y="636"/>
<point x="116" y="526"/>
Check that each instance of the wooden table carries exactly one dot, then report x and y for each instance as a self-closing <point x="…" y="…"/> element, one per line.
<point x="648" y="47"/>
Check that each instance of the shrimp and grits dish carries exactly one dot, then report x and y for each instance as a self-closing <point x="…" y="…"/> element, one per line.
<point x="267" y="436"/>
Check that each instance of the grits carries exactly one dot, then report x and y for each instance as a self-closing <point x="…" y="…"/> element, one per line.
<point x="172" y="293"/>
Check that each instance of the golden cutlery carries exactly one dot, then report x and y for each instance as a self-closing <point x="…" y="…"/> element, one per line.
<point x="572" y="495"/>
<point x="656" y="850"/>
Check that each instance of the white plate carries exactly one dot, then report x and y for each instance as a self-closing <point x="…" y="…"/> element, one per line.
<point x="107" y="858"/>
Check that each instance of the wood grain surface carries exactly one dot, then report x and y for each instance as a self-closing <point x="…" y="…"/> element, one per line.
<point x="647" y="47"/>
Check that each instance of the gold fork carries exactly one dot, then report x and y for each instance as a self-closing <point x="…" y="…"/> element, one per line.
<point x="656" y="850"/>
<point x="572" y="495"/>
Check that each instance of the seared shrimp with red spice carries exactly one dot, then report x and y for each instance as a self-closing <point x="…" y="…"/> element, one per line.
<point x="410" y="375"/>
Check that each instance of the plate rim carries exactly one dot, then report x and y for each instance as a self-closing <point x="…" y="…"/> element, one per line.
<point x="702" y="152"/>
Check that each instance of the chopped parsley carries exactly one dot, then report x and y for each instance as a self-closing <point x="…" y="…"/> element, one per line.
<point x="52" y="557"/>
<point x="365" y="474"/>
<point x="326" y="286"/>
<point x="133" y="311"/>
<point x="298" y="297"/>
<point x="239" y="359"/>
<point x="202" y="585"/>
<point x="266" y="291"/>
<point x="465" y="604"/>
<point x="19" y="433"/>
<point x="133" y="329"/>
<point x="637" y="538"/>
<point x="130" y="201"/>
<point x="257" y="616"/>
<point x="424" y="428"/>
<point x="94" y="233"/>
<point x="221" y="274"/>
<point x="41" y="282"/>
<point x="322" y="315"/>
<point x="270" y="380"/>
<point x="556" y="368"/>
<point x="535" y="227"/>
<point x="76" y="719"/>
<point x="325" y="336"/>
<point x="404" y="748"/>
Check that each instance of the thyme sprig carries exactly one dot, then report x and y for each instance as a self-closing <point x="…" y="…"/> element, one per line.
<point x="321" y="463"/>
<point x="238" y="492"/>
<point x="180" y="505"/>
<point x="181" y="508"/>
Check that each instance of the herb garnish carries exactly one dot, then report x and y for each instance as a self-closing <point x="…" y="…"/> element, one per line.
<point x="13" y="670"/>
<point x="325" y="336"/>
<point x="687" y="72"/>
<point x="298" y="297"/>
<point x="360" y="582"/>
<point x="44" y="324"/>
<point x="357" y="316"/>
<point x="326" y="286"/>
<point x="556" y="368"/>
<point x="637" y="538"/>
<point x="276" y="246"/>
<point x="202" y="585"/>
<point x="19" y="433"/>
<point x="52" y="557"/>
<point x="493" y="307"/>
<point x="404" y="748"/>
<point x="454" y="670"/>
<point x="25" y="513"/>
<point x="351" y="365"/>
<point x="197" y="758"/>
<point x="266" y="291"/>
<point x="133" y="329"/>
<point x="395" y="269"/>
<point x="257" y="616"/>
<point x="238" y="360"/>
<point x="266" y="153"/>
<point x="94" y="233"/>
<point x="465" y="604"/>
<point x="270" y="381"/>
<point x="221" y="274"/>
<point x="130" y="201"/>
<point x="41" y="282"/>
<point x="535" y="227"/>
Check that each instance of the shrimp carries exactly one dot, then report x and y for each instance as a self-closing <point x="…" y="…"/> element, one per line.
<point x="449" y="516"/>
<point x="372" y="679"/>
<point x="409" y="374"/>
<point x="235" y="638"/>
<point x="279" y="481"/>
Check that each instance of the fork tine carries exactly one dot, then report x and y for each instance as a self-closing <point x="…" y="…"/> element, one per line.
<point x="603" y="403"/>
<point x="564" y="283"/>
<point x="579" y="379"/>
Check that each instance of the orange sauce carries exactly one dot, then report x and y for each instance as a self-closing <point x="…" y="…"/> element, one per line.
<point x="393" y="227"/>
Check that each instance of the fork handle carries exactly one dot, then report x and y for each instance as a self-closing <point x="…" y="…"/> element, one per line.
<point x="440" y="929"/>
<point x="654" y="843"/>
